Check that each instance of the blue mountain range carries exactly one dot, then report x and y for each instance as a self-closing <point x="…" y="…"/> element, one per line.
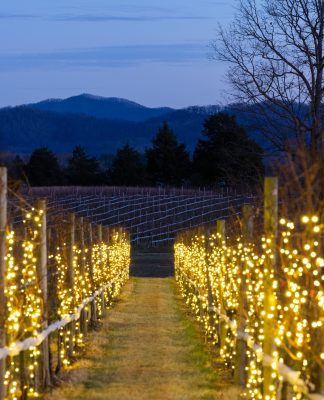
<point x="101" y="125"/>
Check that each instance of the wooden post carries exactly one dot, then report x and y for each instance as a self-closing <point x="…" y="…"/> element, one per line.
<point x="70" y="275"/>
<point x="270" y="231"/>
<point x="3" y="224"/>
<point x="102" y="296"/>
<point x="82" y="246"/>
<point x="23" y="369"/>
<point x="221" y="240"/>
<point x="70" y="249"/>
<point x="44" y="368"/>
<point x="247" y="233"/>
<point x="93" y="310"/>
<point x="90" y="242"/>
<point x="83" y="316"/>
<point x="210" y="297"/>
<point x="99" y="232"/>
<point x="202" y="310"/>
<point x="106" y="235"/>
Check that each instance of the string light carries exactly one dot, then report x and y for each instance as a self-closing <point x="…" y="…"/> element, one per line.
<point x="24" y="306"/>
<point x="297" y="316"/>
<point x="24" y="297"/>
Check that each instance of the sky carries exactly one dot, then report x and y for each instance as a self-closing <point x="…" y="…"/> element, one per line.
<point x="155" y="52"/>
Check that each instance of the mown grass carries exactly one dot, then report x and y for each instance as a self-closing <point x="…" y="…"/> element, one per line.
<point x="149" y="348"/>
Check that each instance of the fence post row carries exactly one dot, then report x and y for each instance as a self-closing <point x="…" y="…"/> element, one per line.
<point x="86" y="235"/>
<point x="3" y="224"/>
<point x="270" y="232"/>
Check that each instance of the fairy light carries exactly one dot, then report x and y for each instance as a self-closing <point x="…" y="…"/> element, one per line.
<point x="24" y="304"/>
<point x="298" y="287"/>
<point x="108" y="261"/>
<point x="24" y="296"/>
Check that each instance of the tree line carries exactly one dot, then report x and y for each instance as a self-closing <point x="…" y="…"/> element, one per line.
<point x="225" y="155"/>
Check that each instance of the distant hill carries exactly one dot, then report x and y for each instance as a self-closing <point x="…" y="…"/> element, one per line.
<point x="102" y="107"/>
<point x="63" y="124"/>
<point x="24" y="128"/>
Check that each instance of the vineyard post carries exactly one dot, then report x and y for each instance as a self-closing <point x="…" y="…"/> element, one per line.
<point x="22" y="355"/>
<point x="70" y="274"/>
<point x="102" y="296"/>
<point x="83" y="316"/>
<point x="200" y="233"/>
<point x="210" y="298"/>
<point x="270" y="231"/>
<point x="52" y="299"/>
<point x="3" y="224"/>
<point x="106" y="238"/>
<point x="82" y="246"/>
<point x="106" y="235"/>
<point x="221" y="239"/>
<point x="99" y="233"/>
<point x="44" y="367"/>
<point x="93" y="319"/>
<point x="247" y="233"/>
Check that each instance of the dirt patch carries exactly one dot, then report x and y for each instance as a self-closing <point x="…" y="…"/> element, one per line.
<point x="157" y="264"/>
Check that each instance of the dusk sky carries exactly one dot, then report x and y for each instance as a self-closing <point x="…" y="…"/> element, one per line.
<point x="153" y="52"/>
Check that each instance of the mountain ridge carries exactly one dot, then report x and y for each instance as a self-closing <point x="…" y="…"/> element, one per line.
<point x="101" y="107"/>
<point x="23" y="128"/>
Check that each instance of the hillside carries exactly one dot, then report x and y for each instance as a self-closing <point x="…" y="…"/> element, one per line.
<point x="102" y="107"/>
<point x="62" y="124"/>
<point x="24" y="128"/>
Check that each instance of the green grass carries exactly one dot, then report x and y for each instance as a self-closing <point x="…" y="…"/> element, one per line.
<point x="149" y="348"/>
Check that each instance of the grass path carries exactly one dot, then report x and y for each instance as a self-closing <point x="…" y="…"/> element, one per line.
<point x="147" y="349"/>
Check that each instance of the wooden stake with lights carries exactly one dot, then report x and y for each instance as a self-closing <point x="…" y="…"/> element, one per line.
<point x="3" y="224"/>
<point x="83" y="317"/>
<point x="247" y="233"/>
<point x="221" y="240"/>
<point x="102" y="296"/>
<point x="209" y="288"/>
<point x="106" y="238"/>
<point x="45" y="377"/>
<point x="70" y="275"/>
<point x="82" y="245"/>
<point x="202" y="310"/>
<point x="271" y="233"/>
<point x="93" y="310"/>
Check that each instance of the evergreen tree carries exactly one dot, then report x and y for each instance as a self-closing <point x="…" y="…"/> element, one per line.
<point x="16" y="169"/>
<point x="128" y="168"/>
<point x="43" y="168"/>
<point x="227" y="155"/>
<point x="82" y="169"/>
<point x="168" y="162"/>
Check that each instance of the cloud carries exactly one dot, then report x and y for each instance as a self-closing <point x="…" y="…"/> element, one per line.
<point x="115" y="18"/>
<point x="101" y="18"/>
<point x="17" y="16"/>
<point x="110" y="56"/>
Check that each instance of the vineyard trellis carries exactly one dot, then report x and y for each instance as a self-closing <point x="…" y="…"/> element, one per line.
<point x="151" y="215"/>
<point x="59" y="274"/>
<point x="258" y="290"/>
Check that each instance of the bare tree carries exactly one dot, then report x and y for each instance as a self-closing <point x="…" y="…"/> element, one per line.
<point x="275" y="51"/>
